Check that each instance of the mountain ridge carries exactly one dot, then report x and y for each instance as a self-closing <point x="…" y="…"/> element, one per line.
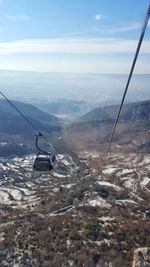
<point x="93" y="129"/>
<point x="28" y="110"/>
<point x="12" y="123"/>
<point x="130" y="111"/>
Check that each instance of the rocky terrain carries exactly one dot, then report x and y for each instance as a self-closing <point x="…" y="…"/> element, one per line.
<point x="84" y="213"/>
<point x="87" y="211"/>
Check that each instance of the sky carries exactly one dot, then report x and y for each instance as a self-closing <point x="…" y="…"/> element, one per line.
<point x="77" y="36"/>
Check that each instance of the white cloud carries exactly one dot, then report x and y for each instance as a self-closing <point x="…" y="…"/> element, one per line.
<point x="98" y="17"/>
<point x="73" y="46"/>
<point x="107" y="30"/>
<point x="72" y="65"/>
<point x="20" y="55"/>
<point x="118" y="29"/>
<point x="18" y="17"/>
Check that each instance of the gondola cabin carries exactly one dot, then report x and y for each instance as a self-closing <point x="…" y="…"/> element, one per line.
<point x="44" y="162"/>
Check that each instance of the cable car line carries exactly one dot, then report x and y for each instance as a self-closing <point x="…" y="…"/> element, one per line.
<point x="37" y="132"/>
<point x="37" y="145"/>
<point x="18" y="110"/>
<point x="129" y="78"/>
<point x="44" y="160"/>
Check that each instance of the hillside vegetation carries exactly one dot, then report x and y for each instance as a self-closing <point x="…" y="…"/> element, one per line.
<point x="131" y="111"/>
<point x="93" y="130"/>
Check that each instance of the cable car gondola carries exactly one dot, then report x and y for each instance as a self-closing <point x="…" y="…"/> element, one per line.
<point x="44" y="161"/>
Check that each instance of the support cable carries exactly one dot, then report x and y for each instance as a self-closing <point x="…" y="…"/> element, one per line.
<point x="129" y="78"/>
<point x="37" y="132"/>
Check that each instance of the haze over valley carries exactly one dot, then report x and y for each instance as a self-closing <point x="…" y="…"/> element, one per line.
<point x="92" y="87"/>
<point x="69" y="95"/>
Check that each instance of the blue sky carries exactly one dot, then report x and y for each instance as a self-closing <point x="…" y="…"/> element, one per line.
<point x="73" y="35"/>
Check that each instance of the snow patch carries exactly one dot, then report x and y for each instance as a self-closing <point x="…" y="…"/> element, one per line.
<point x="3" y="167"/>
<point x="107" y="218"/>
<point x="68" y="185"/>
<point x="3" y="143"/>
<point x="146" y="160"/>
<point x="124" y="172"/>
<point x="145" y="182"/>
<point x="65" y="162"/>
<point x="60" y="156"/>
<point x="125" y="201"/>
<point x="68" y="243"/>
<point x="16" y="194"/>
<point x="55" y="190"/>
<point x="4" y="198"/>
<point x="98" y="201"/>
<point x="109" y="170"/>
<point x="55" y="174"/>
<point x="129" y="183"/>
<point x="117" y="188"/>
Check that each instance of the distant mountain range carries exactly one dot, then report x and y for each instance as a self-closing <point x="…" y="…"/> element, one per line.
<point x="12" y="123"/>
